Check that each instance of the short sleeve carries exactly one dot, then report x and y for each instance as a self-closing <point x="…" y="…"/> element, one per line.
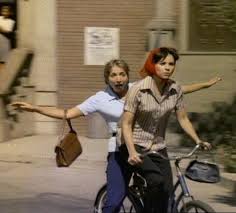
<point x="132" y="100"/>
<point x="90" y="105"/>
<point x="180" y="99"/>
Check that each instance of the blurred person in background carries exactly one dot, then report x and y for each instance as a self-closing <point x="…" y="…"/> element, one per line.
<point x="6" y="29"/>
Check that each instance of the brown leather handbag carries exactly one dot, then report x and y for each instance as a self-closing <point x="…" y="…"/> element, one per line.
<point x="69" y="146"/>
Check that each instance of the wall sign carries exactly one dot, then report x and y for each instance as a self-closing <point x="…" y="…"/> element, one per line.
<point x="101" y="45"/>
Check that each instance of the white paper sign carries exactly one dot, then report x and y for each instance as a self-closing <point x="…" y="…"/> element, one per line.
<point x="101" y="45"/>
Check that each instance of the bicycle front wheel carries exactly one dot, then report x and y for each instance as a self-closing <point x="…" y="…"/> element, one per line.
<point x="129" y="204"/>
<point x="196" y="206"/>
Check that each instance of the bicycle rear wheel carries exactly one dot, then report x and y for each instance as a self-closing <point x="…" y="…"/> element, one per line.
<point x="196" y="206"/>
<point x="129" y="205"/>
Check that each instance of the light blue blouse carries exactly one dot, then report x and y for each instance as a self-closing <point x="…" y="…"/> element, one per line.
<point x="109" y="106"/>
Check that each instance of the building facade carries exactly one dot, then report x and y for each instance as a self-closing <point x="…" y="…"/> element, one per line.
<point x="56" y="31"/>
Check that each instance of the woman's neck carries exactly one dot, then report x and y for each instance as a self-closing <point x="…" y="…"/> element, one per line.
<point x="160" y="83"/>
<point x="123" y="94"/>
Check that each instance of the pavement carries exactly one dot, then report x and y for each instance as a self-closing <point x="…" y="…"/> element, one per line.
<point x="42" y="146"/>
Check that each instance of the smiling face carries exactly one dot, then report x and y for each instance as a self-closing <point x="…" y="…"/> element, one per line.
<point x="165" y="67"/>
<point x="118" y="80"/>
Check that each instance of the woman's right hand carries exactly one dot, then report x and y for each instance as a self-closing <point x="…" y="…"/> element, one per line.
<point x="24" y="106"/>
<point x="134" y="158"/>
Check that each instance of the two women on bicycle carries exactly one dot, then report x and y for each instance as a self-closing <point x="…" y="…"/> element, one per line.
<point x="109" y="104"/>
<point x="147" y="108"/>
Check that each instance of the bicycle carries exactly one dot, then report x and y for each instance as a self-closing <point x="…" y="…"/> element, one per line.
<point x="183" y="202"/>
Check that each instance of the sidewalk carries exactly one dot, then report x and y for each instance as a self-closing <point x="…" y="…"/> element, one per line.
<point x="42" y="146"/>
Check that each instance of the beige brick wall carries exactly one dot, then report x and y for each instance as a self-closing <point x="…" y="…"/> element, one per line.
<point x="77" y="81"/>
<point x="63" y="23"/>
<point x="197" y="68"/>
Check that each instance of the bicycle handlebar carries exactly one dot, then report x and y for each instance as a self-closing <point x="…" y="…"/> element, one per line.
<point x="173" y="157"/>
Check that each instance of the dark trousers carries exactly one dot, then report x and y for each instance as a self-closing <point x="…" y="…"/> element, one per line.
<point x="118" y="177"/>
<point x="158" y="174"/>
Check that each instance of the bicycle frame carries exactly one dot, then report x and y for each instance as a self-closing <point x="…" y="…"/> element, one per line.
<point x="185" y="193"/>
<point x="139" y="187"/>
<point x="180" y="183"/>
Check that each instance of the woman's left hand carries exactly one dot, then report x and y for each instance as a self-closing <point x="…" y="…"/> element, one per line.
<point x="205" y="145"/>
<point x="213" y="81"/>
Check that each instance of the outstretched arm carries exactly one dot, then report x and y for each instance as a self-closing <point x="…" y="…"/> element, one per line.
<point x="189" y="129"/>
<point x="198" y="86"/>
<point x="48" y="111"/>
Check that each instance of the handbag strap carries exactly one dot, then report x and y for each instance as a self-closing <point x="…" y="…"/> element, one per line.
<point x="64" y="120"/>
<point x="70" y="125"/>
<point x="63" y="125"/>
<point x="68" y="122"/>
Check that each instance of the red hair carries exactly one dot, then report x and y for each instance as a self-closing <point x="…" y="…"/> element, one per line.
<point x="149" y="66"/>
<point x="154" y="57"/>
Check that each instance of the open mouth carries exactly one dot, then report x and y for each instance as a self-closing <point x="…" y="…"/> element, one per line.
<point x="119" y="85"/>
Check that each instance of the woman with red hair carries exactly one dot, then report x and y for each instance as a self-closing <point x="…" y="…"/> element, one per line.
<point x="149" y="67"/>
<point x="147" y="108"/>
